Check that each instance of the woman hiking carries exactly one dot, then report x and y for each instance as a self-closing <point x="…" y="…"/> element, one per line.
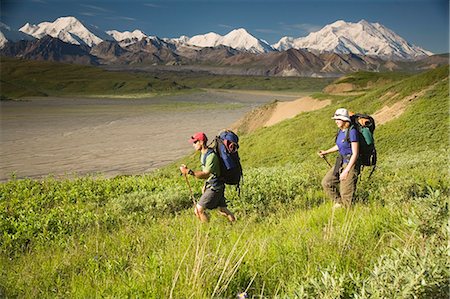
<point x="340" y="181"/>
<point x="213" y="190"/>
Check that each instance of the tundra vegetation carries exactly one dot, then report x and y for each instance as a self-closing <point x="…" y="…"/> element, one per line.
<point x="136" y="236"/>
<point x="26" y="78"/>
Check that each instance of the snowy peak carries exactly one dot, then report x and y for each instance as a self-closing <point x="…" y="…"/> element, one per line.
<point x="7" y="34"/>
<point x="361" y="38"/>
<point x="341" y="37"/>
<point x="238" y="39"/>
<point x="177" y="41"/>
<point x="127" y="38"/>
<point x="68" y="29"/>
<point x="120" y="36"/>
<point x="241" y="39"/>
<point x="210" y="39"/>
<point x="285" y="43"/>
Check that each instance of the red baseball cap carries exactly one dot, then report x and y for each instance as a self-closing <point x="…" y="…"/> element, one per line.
<point x="198" y="136"/>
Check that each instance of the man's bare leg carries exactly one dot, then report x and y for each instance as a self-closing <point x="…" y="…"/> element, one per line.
<point x="200" y="213"/>
<point x="226" y="213"/>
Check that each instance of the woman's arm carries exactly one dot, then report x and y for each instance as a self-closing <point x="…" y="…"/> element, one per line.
<point x="352" y="162"/>
<point x="333" y="149"/>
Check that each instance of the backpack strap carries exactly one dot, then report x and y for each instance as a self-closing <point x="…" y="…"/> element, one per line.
<point x="371" y="172"/>
<point x="347" y="134"/>
<point x="210" y="151"/>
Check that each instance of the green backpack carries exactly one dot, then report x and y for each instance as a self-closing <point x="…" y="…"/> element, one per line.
<point x="365" y="125"/>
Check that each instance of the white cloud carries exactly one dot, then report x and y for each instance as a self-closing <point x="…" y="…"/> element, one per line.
<point x="127" y="18"/>
<point x="98" y="8"/>
<point x="88" y="14"/>
<point x="303" y="27"/>
<point x="268" y="31"/>
<point x="152" y="5"/>
<point x="225" y="26"/>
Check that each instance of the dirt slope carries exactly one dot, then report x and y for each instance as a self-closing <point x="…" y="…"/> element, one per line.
<point x="285" y="110"/>
<point x="388" y="113"/>
<point x="275" y="112"/>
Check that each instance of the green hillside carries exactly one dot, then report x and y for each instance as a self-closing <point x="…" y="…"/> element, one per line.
<point x="364" y="80"/>
<point x="22" y="78"/>
<point x="25" y="78"/>
<point x="136" y="236"/>
<point x="302" y="136"/>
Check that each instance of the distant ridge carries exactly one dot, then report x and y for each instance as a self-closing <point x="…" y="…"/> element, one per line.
<point x="6" y="34"/>
<point x="362" y="38"/>
<point x="238" y="39"/>
<point x="68" y="29"/>
<point x="336" y="49"/>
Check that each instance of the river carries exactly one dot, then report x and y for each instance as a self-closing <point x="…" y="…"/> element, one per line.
<point x="78" y="136"/>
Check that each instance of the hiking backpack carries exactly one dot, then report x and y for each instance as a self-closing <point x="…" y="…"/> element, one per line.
<point x="226" y="146"/>
<point x="365" y="126"/>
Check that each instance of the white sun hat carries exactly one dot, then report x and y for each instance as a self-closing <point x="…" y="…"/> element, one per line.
<point x="341" y="114"/>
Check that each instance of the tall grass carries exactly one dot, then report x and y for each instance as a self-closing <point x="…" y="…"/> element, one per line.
<point x="136" y="236"/>
<point x="287" y="242"/>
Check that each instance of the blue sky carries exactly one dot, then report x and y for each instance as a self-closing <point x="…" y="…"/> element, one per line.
<point x="424" y="23"/>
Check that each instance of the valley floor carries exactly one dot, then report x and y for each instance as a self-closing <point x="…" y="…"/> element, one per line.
<point x="65" y="136"/>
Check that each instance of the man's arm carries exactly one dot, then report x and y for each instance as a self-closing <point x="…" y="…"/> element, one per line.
<point x="196" y="173"/>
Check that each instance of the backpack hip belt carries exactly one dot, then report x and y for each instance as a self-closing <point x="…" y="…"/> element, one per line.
<point x="346" y="158"/>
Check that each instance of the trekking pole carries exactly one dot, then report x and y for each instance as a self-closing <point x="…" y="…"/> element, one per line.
<point x="190" y="190"/>
<point x="192" y="195"/>
<point x="325" y="158"/>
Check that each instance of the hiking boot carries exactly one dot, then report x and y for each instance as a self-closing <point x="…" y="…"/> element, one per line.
<point x="337" y="206"/>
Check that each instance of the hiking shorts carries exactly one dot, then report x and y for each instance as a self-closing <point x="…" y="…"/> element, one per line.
<point x="212" y="199"/>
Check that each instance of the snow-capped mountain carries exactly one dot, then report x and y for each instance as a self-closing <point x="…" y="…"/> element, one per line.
<point x="137" y="39"/>
<point x="7" y="34"/>
<point x="337" y="48"/>
<point x="362" y="38"/>
<point x="286" y="43"/>
<point x="180" y="40"/>
<point x="238" y="39"/>
<point x="126" y="38"/>
<point x="211" y="39"/>
<point x="67" y="29"/>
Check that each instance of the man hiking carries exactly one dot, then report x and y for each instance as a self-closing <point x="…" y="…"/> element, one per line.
<point x="214" y="189"/>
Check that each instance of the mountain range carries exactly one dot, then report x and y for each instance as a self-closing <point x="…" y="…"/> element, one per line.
<point x="337" y="48"/>
<point x="361" y="38"/>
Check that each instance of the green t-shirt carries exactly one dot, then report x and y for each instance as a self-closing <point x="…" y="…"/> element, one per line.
<point x="213" y="167"/>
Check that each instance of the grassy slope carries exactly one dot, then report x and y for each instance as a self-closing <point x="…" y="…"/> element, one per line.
<point x="21" y="78"/>
<point x="363" y="80"/>
<point x="132" y="236"/>
<point x="255" y="82"/>
<point x="304" y="135"/>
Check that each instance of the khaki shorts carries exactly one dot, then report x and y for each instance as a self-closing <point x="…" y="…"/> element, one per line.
<point x="341" y="191"/>
<point x="212" y="199"/>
